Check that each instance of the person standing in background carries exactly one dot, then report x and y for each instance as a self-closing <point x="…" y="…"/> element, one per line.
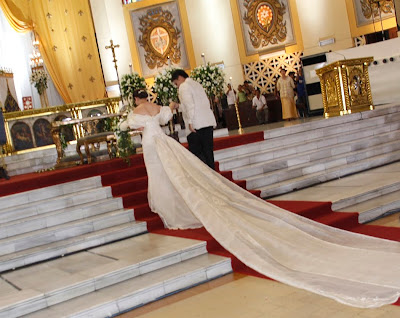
<point x="285" y="89"/>
<point x="231" y="96"/>
<point x="301" y="94"/>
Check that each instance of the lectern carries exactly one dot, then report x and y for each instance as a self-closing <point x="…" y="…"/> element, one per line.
<point x="345" y="87"/>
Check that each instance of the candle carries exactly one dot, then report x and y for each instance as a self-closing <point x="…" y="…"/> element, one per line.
<point x="169" y="61"/>
<point x="130" y="67"/>
<point x="204" y="58"/>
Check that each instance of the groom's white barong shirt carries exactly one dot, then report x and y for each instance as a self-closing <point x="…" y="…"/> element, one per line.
<point x="195" y="106"/>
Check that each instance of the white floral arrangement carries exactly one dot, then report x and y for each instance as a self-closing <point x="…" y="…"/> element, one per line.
<point x="39" y="79"/>
<point x="212" y="78"/>
<point x="164" y="88"/>
<point x="130" y="83"/>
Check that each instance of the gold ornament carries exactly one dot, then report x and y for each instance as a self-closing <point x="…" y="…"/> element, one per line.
<point x="265" y="20"/>
<point x="159" y="38"/>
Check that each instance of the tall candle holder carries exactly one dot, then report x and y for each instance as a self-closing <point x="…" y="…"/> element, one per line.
<point x="240" y="130"/>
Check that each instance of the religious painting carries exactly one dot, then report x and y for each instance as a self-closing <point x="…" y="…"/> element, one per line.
<point x="42" y="133"/>
<point x="159" y="38"/>
<point x="266" y="25"/>
<point x="21" y="136"/>
<point x="67" y="131"/>
<point x="370" y="11"/>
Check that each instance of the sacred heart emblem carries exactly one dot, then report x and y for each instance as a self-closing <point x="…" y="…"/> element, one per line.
<point x="159" y="39"/>
<point x="264" y="16"/>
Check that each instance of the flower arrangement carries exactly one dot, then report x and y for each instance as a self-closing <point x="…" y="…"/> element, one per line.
<point x="39" y="79"/>
<point x="124" y="141"/>
<point x="211" y="78"/>
<point x="166" y="91"/>
<point x="130" y="83"/>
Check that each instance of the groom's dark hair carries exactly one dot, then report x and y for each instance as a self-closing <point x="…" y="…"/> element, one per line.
<point x="175" y="74"/>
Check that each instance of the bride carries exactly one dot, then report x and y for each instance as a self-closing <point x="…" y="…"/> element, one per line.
<point x="351" y="268"/>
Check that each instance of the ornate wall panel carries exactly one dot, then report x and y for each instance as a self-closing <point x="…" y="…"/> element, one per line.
<point x="266" y="25"/>
<point x="262" y="74"/>
<point x="159" y="37"/>
<point x="369" y="11"/>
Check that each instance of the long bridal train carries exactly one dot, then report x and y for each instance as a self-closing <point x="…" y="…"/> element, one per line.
<point x="284" y="246"/>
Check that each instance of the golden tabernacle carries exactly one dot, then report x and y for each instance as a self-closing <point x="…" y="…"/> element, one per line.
<point x="345" y="87"/>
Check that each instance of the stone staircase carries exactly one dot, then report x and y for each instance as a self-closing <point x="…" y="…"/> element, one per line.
<point x="73" y="250"/>
<point x="296" y="157"/>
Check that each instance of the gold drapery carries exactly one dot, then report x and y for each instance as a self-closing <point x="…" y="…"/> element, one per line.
<point x="15" y="16"/>
<point x="67" y="43"/>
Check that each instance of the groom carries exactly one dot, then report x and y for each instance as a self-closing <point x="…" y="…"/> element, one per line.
<point x="198" y="116"/>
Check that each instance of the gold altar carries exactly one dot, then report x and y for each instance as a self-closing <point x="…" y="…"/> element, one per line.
<point x="345" y="87"/>
<point x="30" y="129"/>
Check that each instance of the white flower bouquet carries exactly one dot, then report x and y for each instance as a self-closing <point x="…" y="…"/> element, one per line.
<point x="39" y="80"/>
<point x="164" y="88"/>
<point x="212" y="78"/>
<point x="130" y="83"/>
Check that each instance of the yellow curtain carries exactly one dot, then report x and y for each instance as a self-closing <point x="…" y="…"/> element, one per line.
<point x="68" y="45"/>
<point x="16" y="17"/>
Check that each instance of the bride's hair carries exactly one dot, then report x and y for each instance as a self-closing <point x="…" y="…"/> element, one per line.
<point x="140" y="93"/>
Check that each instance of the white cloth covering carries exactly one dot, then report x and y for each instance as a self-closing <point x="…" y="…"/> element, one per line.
<point x="353" y="269"/>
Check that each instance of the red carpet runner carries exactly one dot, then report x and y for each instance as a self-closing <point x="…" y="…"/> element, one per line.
<point x="130" y="183"/>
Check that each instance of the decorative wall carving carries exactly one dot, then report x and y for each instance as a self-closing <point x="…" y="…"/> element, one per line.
<point x="266" y="24"/>
<point x="262" y="74"/>
<point x="368" y="11"/>
<point x="158" y="36"/>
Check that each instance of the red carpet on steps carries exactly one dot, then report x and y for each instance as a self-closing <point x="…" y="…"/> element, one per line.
<point x="130" y="183"/>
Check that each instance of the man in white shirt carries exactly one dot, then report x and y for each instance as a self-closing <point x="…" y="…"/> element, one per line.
<point x="260" y="104"/>
<point x="198" y="116"/>
<point x="231" y="96"/>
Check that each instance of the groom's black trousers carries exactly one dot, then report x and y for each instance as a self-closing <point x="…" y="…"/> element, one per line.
<point x="201" y="144"/>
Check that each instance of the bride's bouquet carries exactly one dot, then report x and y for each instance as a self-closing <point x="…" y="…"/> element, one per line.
<point x="212" y="78"/>
<point x="164" y="88"/>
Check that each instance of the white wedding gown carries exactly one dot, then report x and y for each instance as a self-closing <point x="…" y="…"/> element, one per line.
<point x="354" y="269"/>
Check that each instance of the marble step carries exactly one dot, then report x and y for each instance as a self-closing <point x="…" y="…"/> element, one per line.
<point x="138" y="291"/>
<point x="324" y="175"/>
<point x="339" y="161"/>
<point x="49" y="192"/>
<point x="66" y="201"/>
<point x="347" y="122"/>
<point x="47" y="284"/>
<point x="376" y="206"/>
<point x="294" y="144"/>
<point x="71" y="245"/>
<point x="285" y="158"/>
<point x="64" y="231"/>
<point x="60" y="216"/>
<point x="372" y="193"/>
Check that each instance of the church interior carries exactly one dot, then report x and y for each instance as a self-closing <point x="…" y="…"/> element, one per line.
<point x="77" y="235"/>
